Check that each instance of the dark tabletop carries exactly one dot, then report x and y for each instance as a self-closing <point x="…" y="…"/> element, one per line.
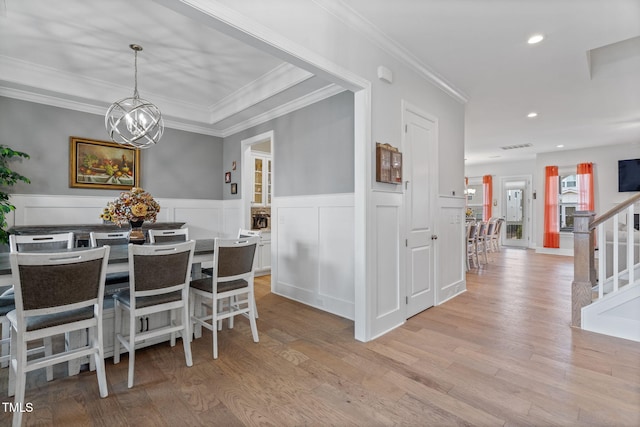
<point x="117" y="254"/>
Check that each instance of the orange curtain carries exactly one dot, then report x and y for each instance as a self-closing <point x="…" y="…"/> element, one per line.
<point x="487" y="197"/>
<point x="551" y="214"/>
<point x="585" y="187"/>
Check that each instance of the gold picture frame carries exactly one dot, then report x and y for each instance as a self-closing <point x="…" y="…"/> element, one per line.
<point x="102" y="164"/>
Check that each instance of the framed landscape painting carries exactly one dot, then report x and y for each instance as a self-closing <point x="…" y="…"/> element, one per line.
<point x="101" y="164"/>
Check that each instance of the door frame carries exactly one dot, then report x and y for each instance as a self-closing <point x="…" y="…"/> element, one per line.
<point x="528" y="210"/>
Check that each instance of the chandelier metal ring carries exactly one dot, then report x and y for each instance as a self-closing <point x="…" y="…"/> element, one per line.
<point x="134" y="121"/>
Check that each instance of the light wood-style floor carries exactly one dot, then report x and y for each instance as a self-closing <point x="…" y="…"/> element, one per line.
<point x="501" y="354"/>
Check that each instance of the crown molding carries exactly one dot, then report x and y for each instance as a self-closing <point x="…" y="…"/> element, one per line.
<point x="176" y="123"/>
<point x="270" y="84"/>
<point x="52" y="100"/>
<point x="291" y="106"/>
<point x="354" y="20"/>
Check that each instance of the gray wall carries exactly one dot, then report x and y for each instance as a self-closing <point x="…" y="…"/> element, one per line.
<point x="313" y="150"/>
<point x="182" y="165"/>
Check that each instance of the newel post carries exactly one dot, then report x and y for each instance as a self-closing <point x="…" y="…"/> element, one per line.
<point x="583" y="265"/>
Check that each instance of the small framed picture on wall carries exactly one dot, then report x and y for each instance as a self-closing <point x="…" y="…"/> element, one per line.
<point x="227" y="177"/>
<point x="234" y="188"/>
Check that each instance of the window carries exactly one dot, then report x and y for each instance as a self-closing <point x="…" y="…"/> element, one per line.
<point x="568" y="197"/>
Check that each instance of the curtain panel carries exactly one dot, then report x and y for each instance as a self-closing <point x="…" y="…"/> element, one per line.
<point x="551" y="238"/>
<point x="586" y="200"/>
<point x="487" y="197"/>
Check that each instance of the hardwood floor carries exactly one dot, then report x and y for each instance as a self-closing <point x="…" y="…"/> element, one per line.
<point x="501" y="354"/>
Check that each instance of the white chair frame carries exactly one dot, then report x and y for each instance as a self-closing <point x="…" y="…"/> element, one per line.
<point x="201" y="300"/>
<point x="249" y="233"/>
<point x="136" y="295"/>
<point x="46" y="240"/>
<point x="96" y="237"/>
<point x="21" y="333"/>
<point x="52" y="242"/>
<point x="174" y="235"/>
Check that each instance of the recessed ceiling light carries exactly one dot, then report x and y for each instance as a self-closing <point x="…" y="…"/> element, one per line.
<point x="532" y="114"/>
<point x="560" y="145"/>
<point x="536" y="38"/>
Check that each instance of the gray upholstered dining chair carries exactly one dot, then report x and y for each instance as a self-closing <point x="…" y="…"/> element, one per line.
<point x="232" y="282"/>
<point x="98" y="239"/>
<point x="29" y="243"/>
<point x="56" y="293"/>
<point x="158" y="282"/>
<point x="174" y="235"/>
<point x="40" y="242"/>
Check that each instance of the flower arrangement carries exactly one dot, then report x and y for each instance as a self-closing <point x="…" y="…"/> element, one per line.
<point x="469" y="213"/>
<point x="133" y="205"/>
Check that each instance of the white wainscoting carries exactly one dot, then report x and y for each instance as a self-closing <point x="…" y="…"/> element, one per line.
<point x="206" y="219"/>
<point x="386" y="308"/>
<point x="451" y="249"/>
<point x="313" y="248"/>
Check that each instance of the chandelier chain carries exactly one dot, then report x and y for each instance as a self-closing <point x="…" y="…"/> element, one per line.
<point x="135" y="75"/>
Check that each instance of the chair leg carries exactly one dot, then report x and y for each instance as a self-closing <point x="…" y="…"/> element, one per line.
<point x="98" y="360"/>
<point x="132" y="349"/>
<point x="172" y="322"/>
<point x="20" y="378"/>
<point x="252" y="316"/>
<point x="117" y="329"/>
<point x="220" y="306"/>
<point x="13" y="356"/>
<point x="232" y="302"/>
<point x="48" y="351"/>
<point x="484" y="246"/>
<point x="192" y="313"/>
<point x="91" y="339"/>
<point x="4" y="347"/>
<point x="214" y="329"/>
<point x="186" y="341"/>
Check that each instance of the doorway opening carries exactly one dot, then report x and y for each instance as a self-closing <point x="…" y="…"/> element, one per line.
<point x="257" y="182"/>
<point x="516" y="211"/>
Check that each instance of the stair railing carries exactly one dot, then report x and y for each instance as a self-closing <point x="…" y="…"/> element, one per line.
<point x="584" y="243"/>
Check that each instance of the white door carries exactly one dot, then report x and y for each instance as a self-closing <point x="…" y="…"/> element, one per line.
<point x="419" y="167"/>
<point x="515" y="230"/>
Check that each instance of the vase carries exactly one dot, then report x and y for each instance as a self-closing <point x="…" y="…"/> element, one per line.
<point x="136" y="236"/>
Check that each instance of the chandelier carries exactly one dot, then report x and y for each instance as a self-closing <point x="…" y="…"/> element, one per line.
<point x="134" y="121"/>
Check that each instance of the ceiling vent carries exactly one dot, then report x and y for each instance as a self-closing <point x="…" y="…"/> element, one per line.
<point x="513" y="147"/>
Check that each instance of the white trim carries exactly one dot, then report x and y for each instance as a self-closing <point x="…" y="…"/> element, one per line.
<point x="603" y="316"/>
<point x="296" y="104"/>
<point x="277" y="80"/>
<point x="364" y="257"/>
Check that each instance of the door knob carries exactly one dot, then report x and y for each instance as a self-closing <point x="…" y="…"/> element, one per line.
<point x="434" y="237"/>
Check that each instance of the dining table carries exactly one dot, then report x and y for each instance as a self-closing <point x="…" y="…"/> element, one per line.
<point x="118" y="262"/>
<point x="119" y="259"/>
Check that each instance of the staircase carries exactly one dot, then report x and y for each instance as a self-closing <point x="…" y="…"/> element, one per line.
<point x="606" y="286"/>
